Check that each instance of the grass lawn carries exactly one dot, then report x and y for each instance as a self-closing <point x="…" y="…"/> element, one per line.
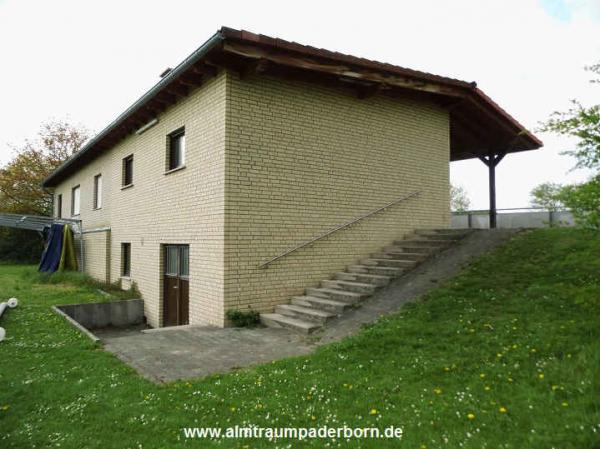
<point x="507" y="355"/>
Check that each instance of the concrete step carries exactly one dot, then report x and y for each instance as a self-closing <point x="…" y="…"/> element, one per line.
<point x="447" y="231"/>
<point x="396" y="263"/>
<point x="410" y="248"/>
<point x="304" y="313"/>
<point x="278" y="320"/>
<point x="420" y="241"/>
<point x="375" y="279"/>
<point x="335" y="294"/>
<point x="374" y="269"/>
<point x="329" y="305"/>
<point x="391" y="253"/>
<point x="453" y="237"/>
<point x="358" y="287"/>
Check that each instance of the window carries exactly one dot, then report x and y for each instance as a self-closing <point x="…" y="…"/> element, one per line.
<point x="59" y="206"/>
<point x="176" y="149"/>
<point x="125" y="259"/>
<point x="75" y="201"/>
<point x="127" y="171"/>
<point x="97" y="191"/>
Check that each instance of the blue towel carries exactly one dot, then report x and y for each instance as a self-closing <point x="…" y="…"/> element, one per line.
<point x="51" y="256"/>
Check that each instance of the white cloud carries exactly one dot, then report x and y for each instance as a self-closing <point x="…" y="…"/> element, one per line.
<point x="91" y="60"/>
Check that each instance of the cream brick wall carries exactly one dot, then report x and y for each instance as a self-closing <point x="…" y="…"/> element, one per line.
<point x="302" y="159"/>
<point x="96" y="254"/>
<point x="183" y="207"/>
<point x="269" y="163"/>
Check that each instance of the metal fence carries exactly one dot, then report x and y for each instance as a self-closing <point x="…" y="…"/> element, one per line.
<point x="513" y="218"/>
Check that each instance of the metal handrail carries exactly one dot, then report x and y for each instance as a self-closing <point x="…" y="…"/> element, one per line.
<point x="338" y="228"/>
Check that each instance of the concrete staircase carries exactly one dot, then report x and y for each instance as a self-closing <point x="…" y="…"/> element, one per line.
<point x="321" y="304"/>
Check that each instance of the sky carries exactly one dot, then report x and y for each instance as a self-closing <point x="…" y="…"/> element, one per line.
<point x="88" y="61"/>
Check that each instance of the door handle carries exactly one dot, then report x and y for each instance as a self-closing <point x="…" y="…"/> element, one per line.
<point x="175" y="287"/>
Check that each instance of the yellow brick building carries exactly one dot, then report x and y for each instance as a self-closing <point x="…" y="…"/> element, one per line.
<point x="252" y="146"/>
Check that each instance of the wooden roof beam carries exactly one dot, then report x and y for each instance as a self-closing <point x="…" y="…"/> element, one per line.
<point x="191" y="79"/>
<point x="338" y="69"/>
<point x="205" y="68"/>
<point x="165" y="98"/>
<point x="255" y="67"/>
<point x="176" y="89"/>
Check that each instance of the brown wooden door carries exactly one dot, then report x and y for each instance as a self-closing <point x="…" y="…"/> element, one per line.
<point x="176" y="285"/>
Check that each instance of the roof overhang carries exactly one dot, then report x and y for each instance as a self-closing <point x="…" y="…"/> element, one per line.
<point x="478" y="126"/>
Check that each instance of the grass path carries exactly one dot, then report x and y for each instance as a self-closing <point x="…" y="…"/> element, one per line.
<point x="507" y="355"/>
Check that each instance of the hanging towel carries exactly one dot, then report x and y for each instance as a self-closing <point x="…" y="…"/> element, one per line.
<point x="68" y="258"/>
<point x="52" y="254"/>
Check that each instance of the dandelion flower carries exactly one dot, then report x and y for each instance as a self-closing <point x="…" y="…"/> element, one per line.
<point x="541" y="376"/>
<point x="487" y="388"/>
<point x="373" y="412"/>
<point x="437" y="390"/>
<point x="503" y="410"/>
<point x="471" y="416"/>
<point x="554" y="387"/>
<point x="5" y="407"/>
<point x="482" y="376"/>
<point x="565" y="404"/>
<point x="232" y="409"/>
<point x="313" y="417"/>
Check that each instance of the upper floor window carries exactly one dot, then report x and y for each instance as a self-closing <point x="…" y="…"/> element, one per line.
<point x="176" y="149"/>
<point x="127" y="176"/>
<point x="98" y="192"/>
<point x="59" y="205"/>
<point x="76" y="201"/>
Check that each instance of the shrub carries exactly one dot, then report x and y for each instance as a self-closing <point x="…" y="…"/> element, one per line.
<point x="243" y="319"/>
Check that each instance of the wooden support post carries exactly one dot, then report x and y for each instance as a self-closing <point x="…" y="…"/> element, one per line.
<point x="491" y="160"/>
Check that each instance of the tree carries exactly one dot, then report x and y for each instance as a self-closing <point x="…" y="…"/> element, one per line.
<point x="21" y="179"/>
<point x="459" y="199"/>
<point x="583" y="123"/>
<point x="546" y="195"/>
<point x="584" y="201"/>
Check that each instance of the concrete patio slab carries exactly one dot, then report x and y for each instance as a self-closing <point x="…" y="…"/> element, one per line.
<point x="200" y="351"/>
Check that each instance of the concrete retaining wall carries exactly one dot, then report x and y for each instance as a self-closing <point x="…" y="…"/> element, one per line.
<point x="106" y="314"/>
<point x="527" y="219"/>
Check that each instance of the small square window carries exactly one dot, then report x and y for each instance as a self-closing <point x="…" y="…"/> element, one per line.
<point x="75" y="201"/>
<point x="176" y="149"/>
<point x="127" y="176"/>
<point x="97" y="191"/>
<point x="125" y="259"/>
